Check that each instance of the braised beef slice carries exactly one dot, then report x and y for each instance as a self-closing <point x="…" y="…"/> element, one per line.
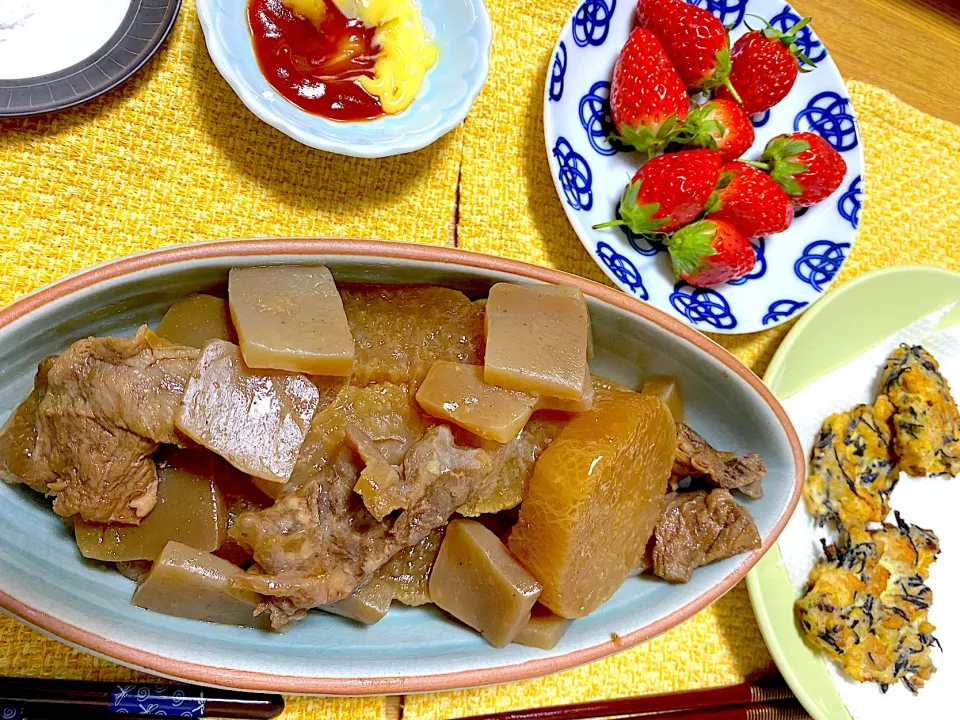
<point x="319" y="544"/>
<point x="134" y="383"/>
<point x="19" y="461"/>
<point x="438" y="477"/>
<point x="108" y="403"/>
<point x="379" y="485"/>
<point x="696" y="458"/>
<point x="698" y="528"/>
<point x="313" y="547"/>
<point x="240" y="495"/>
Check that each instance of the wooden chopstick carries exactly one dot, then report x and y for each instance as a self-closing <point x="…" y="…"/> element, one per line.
<point x="787" y="711"/>
<point x="746" y="694"/>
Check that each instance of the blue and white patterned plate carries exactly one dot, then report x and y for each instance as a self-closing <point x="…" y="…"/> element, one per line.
<point x="793" y="269"/>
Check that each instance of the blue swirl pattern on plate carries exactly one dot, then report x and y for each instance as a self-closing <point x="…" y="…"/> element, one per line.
<point x="702" y="305"/>
<point x="828" y="114"/>
<point x="780" y="310"/>
<point x="623" y="269"/>
<point x="820" y="263"/>
<point x="730" y="12"/>
<point x="595" y="118"/>
<point x="130" y="699"/>
<point x="641" y="243"/>
<point x="851" y="202"/>
<point x="575" y="175"/>
<point x="806" y="40"/>
<point x="591" y="22"/>
<point x="760" y="119"/>
<point x="557" y="73"/>
<point x="760" y="269"/>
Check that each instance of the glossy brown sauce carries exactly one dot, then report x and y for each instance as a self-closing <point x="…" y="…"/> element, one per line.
<point x="315" y="68"/>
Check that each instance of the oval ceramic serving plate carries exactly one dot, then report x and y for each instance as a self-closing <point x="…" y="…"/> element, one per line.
<point x="793" y="268"/>
<point x="54" y="55"/>
<point x="883" y="302"/>
<point x="45" y="582"/>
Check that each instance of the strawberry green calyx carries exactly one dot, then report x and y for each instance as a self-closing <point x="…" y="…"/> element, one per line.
<point x="691" y="246"/>
<point x="778" y="160"/>
<point x="789" y="38"/>
<point x="639" y="218"/>
<point x="645" y="141"/>
<point x="714" y="202"/>
<point x="721" y="74"/>
<point x="700" y="129"/>
<point x="784" y="146"/>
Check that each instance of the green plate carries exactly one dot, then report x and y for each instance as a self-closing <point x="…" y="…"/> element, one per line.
<point x="846" y="322"/>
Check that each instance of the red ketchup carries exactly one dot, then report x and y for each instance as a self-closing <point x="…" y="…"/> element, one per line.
<point x="315" y="68"/>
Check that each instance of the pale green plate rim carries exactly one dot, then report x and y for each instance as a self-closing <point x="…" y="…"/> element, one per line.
<point x="847" y="321"/>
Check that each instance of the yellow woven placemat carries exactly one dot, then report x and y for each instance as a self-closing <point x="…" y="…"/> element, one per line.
<point x="173" y="156"/>
<point x="508" y="204"/>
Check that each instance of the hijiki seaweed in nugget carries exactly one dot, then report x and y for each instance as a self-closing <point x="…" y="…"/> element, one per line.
<point x="926" y="421"/>
<point x="853" y="469"/>
<point x="866" y="604"/>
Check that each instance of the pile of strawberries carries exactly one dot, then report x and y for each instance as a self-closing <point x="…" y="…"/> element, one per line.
<point x="697" y="198"/>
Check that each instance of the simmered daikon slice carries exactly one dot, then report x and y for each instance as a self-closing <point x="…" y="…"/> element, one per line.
<point x="255" y="419"/>
<point x="593" y="500"/>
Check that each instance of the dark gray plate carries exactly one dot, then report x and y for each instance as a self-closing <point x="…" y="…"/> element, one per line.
<point x="143" y="29"/>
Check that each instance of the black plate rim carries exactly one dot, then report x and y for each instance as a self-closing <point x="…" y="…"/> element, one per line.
<point x="140" y="25"/>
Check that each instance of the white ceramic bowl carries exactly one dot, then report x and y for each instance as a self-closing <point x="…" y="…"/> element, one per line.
<point x="462" y="32"/>
<point x="794" y="268"/>
<point x="45" y="582"/>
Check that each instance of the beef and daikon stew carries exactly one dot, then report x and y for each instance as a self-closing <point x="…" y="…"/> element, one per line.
<point x="305" y="445"/>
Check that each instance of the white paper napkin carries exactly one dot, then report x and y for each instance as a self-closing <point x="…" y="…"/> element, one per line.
<point x="931" y="502"/>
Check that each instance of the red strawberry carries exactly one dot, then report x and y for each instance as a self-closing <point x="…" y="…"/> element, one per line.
<point x="720" y="125"/>
<point x="750" y="200"/>
<point x="765" y="66"/>
<point x="694" y="39"/>
<point x="647" y="97"/>
<point x="805" y="165"/>
<point x="710" y="252"/>
<point x="668" y="192"/>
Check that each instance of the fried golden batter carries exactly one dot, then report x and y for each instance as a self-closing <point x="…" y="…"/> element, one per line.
<point x="926" y="421"/>
<point x="853" y="469"/>
<point x="866" y="604"/>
